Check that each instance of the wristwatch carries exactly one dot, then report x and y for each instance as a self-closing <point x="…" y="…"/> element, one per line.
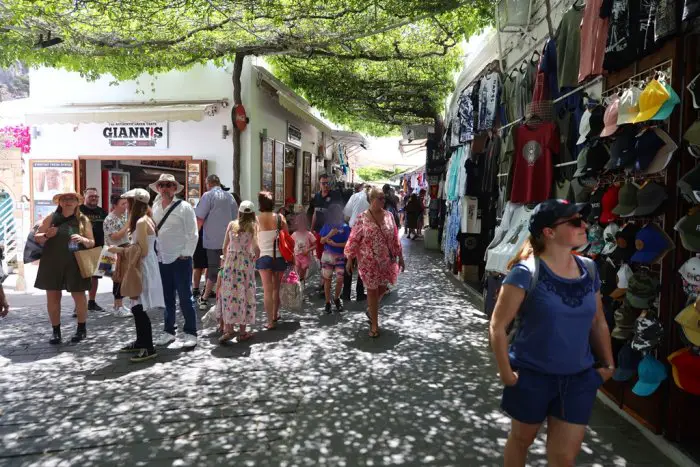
<point x="609" y="367"/>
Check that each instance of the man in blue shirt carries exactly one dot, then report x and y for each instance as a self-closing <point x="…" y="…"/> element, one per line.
<point x="334" y="234"/>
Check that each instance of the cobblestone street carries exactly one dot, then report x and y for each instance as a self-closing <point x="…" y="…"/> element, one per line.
<point x="317" y="391"/>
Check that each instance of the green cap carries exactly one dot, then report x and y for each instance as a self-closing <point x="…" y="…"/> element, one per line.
<point x="642" y="291"/>
<point x="668" y="106"/>
<point x="625" y="317"/>
<point x="627" y="200"/>
<point x="688" y="229"/>
<point x="692" y="134"/>
<point x="689" y="184"/>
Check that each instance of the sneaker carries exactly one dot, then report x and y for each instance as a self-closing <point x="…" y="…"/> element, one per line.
<point x="122" y="312"/>
<point x="56" y="339"/>
<point x="190" y="341"/>
<point x="143" y="355"/>
<point x="328" y="309"/>
<point x="78" y="336"/>
<point x="195" y="293"/>
<point x="203" y="304"/>
<point x="165" y="338"/>
<point x="93" y="306"/>
<point x="338" y="306"/>
<point x="130" y="348"/>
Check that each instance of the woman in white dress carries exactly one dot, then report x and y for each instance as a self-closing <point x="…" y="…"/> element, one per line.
<point x="143" y="233"/>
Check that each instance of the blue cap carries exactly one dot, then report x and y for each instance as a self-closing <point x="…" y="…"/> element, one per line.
<point x="646" y="146"/>
<point x="627" y="363"/>
<point x="654" y="244"/>
<point x="547" y="213"/>
<point x="651" y="374"/>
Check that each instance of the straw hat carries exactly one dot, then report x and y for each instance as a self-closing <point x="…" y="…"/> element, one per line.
<point x="58" y="197"/>
<point x="166" y="178"/>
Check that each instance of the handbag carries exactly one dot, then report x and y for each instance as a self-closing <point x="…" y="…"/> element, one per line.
<point x="291" y="296"/>
<point x="32" y="250"/>
<point x="88" y="261"/>
<point x="285" y="242"/>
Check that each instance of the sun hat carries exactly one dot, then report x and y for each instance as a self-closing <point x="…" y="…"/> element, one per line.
<point x="627" y="200"/>
<point x="667" y="109"/>
<point x="610" y="118"/>
<point x="246" y="207"/>
<point x="652" y="244"/>
<point x="685" y="368"/>
<point x="609" y="238"/>
<point x="547" y="213"/>
<point x="651" y="374"/>
<point x="608" y="203"/>
<point x="627" y="362"/>
<point x="57" y="198"/>
<point x="651" y="100"/>
<point x="689" y="319"/>
<point x="166" y="178"/>
<point x="139" y="194"/>
<point x="663" y="156"/>
<point x="628" y="107"/>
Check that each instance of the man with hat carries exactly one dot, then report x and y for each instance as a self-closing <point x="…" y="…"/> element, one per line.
<point x="177" y="240"/>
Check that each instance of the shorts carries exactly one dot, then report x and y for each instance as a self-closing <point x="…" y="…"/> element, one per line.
<point x="302" y="262"/>
<point x="538" y="395"/>
<point x="332" y="262"/>
<point x="213" y="263"/>
<point x="199" y="259"/>
<point x="265" y="263"/>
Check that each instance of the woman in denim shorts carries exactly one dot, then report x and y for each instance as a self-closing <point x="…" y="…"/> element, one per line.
<point x="549" y="372"/>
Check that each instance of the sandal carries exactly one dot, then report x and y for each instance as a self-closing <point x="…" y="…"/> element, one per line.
<point x="369" y="318"/>
<point x="227" y="337"/>
<point x="374" y="334"/>
<point x="271" y="327"/>
<point x="245" y="337"/>
<point x="277" y="318"/>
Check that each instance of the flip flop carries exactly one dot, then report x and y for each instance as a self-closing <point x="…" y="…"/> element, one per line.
<point x="271" y="328"/>
<point x="245" y="337"/>
<point x="374" y="334"/>
<point x="369" y="318"/>
<point x="227" y="337"/>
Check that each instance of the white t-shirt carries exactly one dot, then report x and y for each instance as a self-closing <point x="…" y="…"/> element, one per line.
<point x="498" y="258"/>
<point x="302" y="240"/>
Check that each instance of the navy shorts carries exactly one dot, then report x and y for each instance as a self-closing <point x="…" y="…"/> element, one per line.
<point x="268" y="262"/>
<point x="537" y="395"/>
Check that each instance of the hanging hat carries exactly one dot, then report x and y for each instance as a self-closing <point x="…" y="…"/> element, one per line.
<point x="685" y="368"/>
<point x="596" y="203"/>
<point x="692" y="136"/>
<point x="663" y="156"/>
<point x="625" y="317"/>
<point x="652" y="244"/>
<point x="608" y="276"/>
<point x="690" y="271"/>
<point x="608" y="203"/>
<point x="622" y="152"/>
<point x="650" y="197"/>
<point x="595" y="239"/>
<point x="651" y="100"/>
<point x="629" y="105"/>
<point x="651" y="374"/>
<point x="610" y="118"/>
<point x="667" y="109"/>
<point x="627" y="200"/>
<point x="689" y="185"/>
<point x="584" y="127"/>
<point x="689" y="319"/>
<point x="591" y="160"/>
<point x="609" y="238"/>
<point x="694" y="90"/>
<point x="166" y="178"/>
<point x="139" y="194"/>
<point x="623" y="282"/>
<point x="688" y="229"/>
<point x="57" y="198"/>
<point x="627" y="362"/>
<point x="642" y="291"/>
<point x="582" y="192"/>
<point x="648" y="332"/>
<point x="625" y="243"/>
<point x="596" y="122"/>
<point x="646" y="146"/>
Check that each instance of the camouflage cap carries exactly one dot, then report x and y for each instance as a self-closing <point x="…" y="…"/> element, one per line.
<point x="642" y="291"/>
<point x="648" y="332"/>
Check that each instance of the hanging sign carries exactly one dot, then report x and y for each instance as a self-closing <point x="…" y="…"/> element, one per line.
<point x="241" y="117"/>
<point x="137" y="134"/>
<point x="293" y="135"/>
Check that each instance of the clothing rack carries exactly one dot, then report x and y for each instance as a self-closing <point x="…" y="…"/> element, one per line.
<point x="665" y="66"/>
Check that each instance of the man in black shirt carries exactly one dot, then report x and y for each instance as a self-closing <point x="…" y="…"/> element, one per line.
<point x="97" y="216"/>
<point x="320" y="204"/>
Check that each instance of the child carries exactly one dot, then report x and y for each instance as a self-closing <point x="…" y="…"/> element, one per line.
<point x="304" y="245"/>
<point x="334" y="234"/>
<point x="237" y="291"/>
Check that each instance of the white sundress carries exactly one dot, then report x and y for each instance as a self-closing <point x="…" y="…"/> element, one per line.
<point x="152" y="293"/>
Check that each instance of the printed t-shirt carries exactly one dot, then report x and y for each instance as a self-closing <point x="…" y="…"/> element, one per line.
<point x="621" y="48"/>
<point x="535" y="148"/>
<point x="488" y="100"/>
<point x="341" y="237"/>
<point x="97" y="217"/>
<point x="321" y="204"/>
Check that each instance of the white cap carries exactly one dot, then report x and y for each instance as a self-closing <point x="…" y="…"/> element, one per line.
<point x="139" y="194"/>
<point x="246" y="207"/>
<point x="628" y="109"/>
<point x="609" y="238"/>
<point x="585" y="127"/>
<point x="623" y="276"/>
<point x="663" y="155"/>
<point x="690" y="270"/>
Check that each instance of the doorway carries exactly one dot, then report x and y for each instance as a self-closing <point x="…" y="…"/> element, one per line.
<point x="291" y="156"/>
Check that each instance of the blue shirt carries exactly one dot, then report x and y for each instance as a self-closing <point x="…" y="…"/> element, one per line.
<point x="218" y="208"/>
<point x="555" y="321"/>
<point x="341" y="237"/>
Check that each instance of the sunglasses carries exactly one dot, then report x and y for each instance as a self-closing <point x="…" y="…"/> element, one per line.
<point x="166" y="185"/>
<point x="576" y="222"/>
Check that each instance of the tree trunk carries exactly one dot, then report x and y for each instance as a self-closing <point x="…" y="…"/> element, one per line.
<point x="237" y="100"/>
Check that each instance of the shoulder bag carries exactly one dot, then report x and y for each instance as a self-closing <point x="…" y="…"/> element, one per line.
<point x="165" y="217"/>
<point x="88" y="260"/>
<point x="285" y="242"/>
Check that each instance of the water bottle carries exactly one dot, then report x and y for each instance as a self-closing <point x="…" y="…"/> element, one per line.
<point x="72" y="244"/>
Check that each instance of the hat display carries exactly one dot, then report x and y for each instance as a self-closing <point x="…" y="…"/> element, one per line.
<point x="246" y="207"/>
<point x="651" y="374"/>
<point x="584" y="127"/>
<point x="610" y="118"/>
<point x="652" y="244"/>
<point x="591" y="160"/>
<point x="685" y="368"/>
<point x="650" y="197"/>
<point x="689" y="320"/>
<point x="582" y="192"/>
<point x="628" y="109"/>
<point x="651" y="100"/>
<point x="663" y="156"/>
<point x="57" y="197"/>
<point x="608" y="203"/>
<point x="646" y="146"/>
<point x="647" y="332"/>
<point x="625" y="317"/>
<point x="667" y="109"/>
<point x="595" y="239"/>
<point x="627" y="200"/>
<point x="548" y="212"/>
<point x="627" y="362"/>
<point x="642" y="291"/>
<point x="623" y="281"/>
<point x="166" y="178"/>
<point x="139" y="194"/>
<point x="609" y="238"/>
<point x="625" y="243"/>
<point x="688" y="229"/>
<point x="690" y="270"/>
<point x="689" y="185"/>
<point x="596" y="204"/>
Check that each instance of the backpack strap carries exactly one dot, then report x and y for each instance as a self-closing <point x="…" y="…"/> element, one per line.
<point x="590" y="266"/>
<point x="533" y="265"/>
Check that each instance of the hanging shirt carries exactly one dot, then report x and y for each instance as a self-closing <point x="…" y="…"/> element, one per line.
<point x="569" y="47"/>
<point x="623" y="23"/>
<point x="546" y="87"/>
<point x="535" y="148"/>
<point x="462" y="181"/>
<point x="508" y="99"/>
<point x="489" y="93"/>
<point x="466" y="115"/>
<point x="527" y="86"/>
<point x="665" y="21"/>
<point x="594" y="36"/>
<point x="489" y="171"/>
<point x="691" y="9"/>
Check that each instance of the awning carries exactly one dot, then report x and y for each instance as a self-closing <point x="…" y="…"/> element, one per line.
<point x="116" y="113"/>
<point x="294" y="107"/>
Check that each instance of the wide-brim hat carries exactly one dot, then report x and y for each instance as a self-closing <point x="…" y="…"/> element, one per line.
<point x="166" y="178"/>
<point x="58" y="197"/>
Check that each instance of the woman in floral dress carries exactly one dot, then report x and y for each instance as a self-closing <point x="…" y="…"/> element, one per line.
<point x="374" y="241"/>
<point x="236" y="297"/>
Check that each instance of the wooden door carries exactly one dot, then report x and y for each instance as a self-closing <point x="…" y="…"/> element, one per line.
<point x="289" y="182"/>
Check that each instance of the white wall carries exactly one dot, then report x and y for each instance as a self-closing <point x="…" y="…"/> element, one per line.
<point x="93" y="176"/>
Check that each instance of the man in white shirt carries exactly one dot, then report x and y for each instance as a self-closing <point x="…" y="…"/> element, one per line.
<point x="357" y="204"/>
<point x="177" y="240"/>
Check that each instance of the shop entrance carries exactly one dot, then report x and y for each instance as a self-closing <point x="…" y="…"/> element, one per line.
<point x="290" y="171"/>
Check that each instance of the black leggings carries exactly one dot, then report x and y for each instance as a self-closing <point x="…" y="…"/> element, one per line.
<point x="144" y="335"/>
<point x="116" y="290"/>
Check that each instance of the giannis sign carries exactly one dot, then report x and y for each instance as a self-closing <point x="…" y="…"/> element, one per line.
<point x="137" y="134"/>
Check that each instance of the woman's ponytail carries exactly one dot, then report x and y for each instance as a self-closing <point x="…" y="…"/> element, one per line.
<point x="532" y="246"/>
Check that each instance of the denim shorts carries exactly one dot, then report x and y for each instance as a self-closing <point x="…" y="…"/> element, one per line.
<point x="538" y="395"/>
<point x="268" y="262"/>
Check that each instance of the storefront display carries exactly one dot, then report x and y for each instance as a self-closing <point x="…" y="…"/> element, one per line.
<point x="49" y="178"/>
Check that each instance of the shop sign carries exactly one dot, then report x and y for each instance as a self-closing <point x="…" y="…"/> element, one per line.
<point x="137" y="134"/>
<point x="293" y="135"/>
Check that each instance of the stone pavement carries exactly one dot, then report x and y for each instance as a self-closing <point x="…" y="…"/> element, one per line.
<point x="317" y="391"/>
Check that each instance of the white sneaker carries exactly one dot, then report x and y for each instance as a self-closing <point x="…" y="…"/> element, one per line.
<point x="122" y="312"/>
<point x="165" y="338"/>
<point x="189" y="341"/>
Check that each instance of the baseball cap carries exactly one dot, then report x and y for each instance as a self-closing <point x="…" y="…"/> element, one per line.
<point x="625" y="243"/>
<point x="608" y="203"/>
<point x="690" y="271"/>
<point x="688" y="229"/>
<point x="595" y="239"/>
<point x="650" y="101"/>
<point x="667" y="108"/>
<point x="246" y="207"/>
<point x="651" y="374"/>
<point x="647" y="332"/>
<point x="650" y="197"/>
<point x="627" y="200"/>
<point x="547" y="213"/>
<point x="596" y="122"/>
<point x="689" y="184"/>
<point x="608" y="276"/>
<point x="692" y="89"/>
<point x="689" y="319"/>
<point x="584" y="127"/>
<point x="596" y="204"/>
<point x="609" y="238"/>
<point x="692" y="136"/>
<point x="139" y="194"/>
<point x="610" y="118"/>
<point x="642" y="291"/>
<point x="582" y="192"/>
<point x="663" y="156"/>
<point x="627" y="362"/>
<point x="629" y="105"/>
<point x="652" y="244"/>
<point x="622" y="152"/>
<point x="625" y="317"/>
<point x="623" y="281"/>
<point x="591" y="160"/>
<point x="647" y="145"/>
<point x="685" y="368"/>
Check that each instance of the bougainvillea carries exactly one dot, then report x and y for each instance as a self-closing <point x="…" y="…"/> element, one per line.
<point x="16" y="137"/>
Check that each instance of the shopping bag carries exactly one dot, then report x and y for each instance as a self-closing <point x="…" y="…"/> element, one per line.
<point x="106" y="264"/>
<point x="290" y="292"/>
<point x="88" y="261"/>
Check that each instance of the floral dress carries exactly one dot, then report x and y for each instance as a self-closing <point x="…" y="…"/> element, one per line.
<point x="375" y="249"/>
<point x="237" y="294"/>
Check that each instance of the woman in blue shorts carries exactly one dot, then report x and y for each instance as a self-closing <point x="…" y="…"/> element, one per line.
<point x="549" y="372"/>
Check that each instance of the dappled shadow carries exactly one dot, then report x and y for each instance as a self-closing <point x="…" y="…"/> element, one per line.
<point x="387" y="340"/>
